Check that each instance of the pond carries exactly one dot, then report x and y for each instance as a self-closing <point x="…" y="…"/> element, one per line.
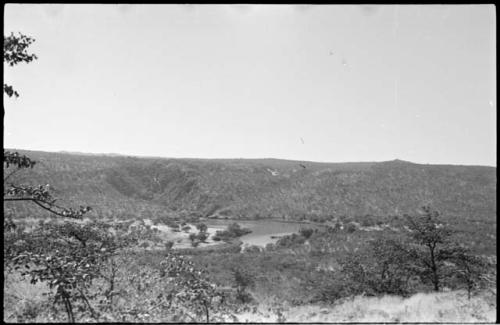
<point x="263" y="231"/>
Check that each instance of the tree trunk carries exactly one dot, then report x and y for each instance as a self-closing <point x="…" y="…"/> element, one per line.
<point x="435" y="277"/>
<point x="206" y="312"/>
<point x="69" y="310"/>
<point x="92" y="311"/>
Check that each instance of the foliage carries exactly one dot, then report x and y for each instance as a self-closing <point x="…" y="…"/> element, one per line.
<point x="194" y="295"/>
<point x="290" y="240"/>
<point x="168" y="245"/>
<point x="14" y="52"/>
<point x="431" y="238"/>
<point x="306" y="232"/>
<point x="66" y="256"/>
<point x="405" y="263"/>
<point x="40" y="195"/>
<point x="351" y="227"/>
<point x="245" y="188"/>
<point x="232" y="231"/>
<point x="243" y="280"/>
<point x="468" y="268"/>
<point x="201" y="227"/>
<point x="392" y="267"/>
<point x="198" y="238"/>
<point x="70" y="256"/>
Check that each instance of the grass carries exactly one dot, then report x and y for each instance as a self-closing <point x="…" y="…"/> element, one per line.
<point x="439" y="307"/>
<point x="24" y="301"/>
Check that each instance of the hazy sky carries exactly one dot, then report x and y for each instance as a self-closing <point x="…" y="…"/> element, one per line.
<point x="320" y="83"/>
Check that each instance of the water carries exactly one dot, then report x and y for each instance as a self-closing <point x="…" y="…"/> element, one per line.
<point x="263" y="231"/>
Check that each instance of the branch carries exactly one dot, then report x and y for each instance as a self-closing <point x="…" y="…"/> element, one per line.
<point x="12" y="173"/>
<point x="65" y="212"/>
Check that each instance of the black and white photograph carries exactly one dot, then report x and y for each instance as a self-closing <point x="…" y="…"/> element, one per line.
<point x="250" y="163"/>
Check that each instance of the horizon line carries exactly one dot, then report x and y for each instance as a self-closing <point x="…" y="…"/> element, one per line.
<point x="114" y="154"/>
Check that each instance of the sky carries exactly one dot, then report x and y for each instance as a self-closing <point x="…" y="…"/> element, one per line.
<point x="332" y="83"/>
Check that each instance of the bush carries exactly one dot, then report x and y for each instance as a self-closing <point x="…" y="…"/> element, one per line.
<point x="252" y="249"/>
<point x="168" y="245"/>
<point x="306" y="232"/>
<point x="243" y="280"/>
<point x="351" y="227"/>
<point x="202" y="236"/>
<point x="290" y="240"/>
<point x="367" y="221"/>
<point x="201" y="227"/>
<point x="270" y="247"/>
<point x="233" y="231"/>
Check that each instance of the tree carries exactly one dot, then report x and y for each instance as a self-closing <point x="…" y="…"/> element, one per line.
<point x="431" y="239"/>
<point x="66" y="267"/>
<point x="202" y="236"/>
<point x="392" y="266"/>
<point x="14" y="52"/>
<point x="306" y="232"/>
<point x="242" y="280"/>
<point x="194" y="294"/>
<point x="66" y="256"/>
<point x="201" y="227"/>
<point x="351" y="227"/>
<point x="468" y="268"/>
<point x="168" y="245"/>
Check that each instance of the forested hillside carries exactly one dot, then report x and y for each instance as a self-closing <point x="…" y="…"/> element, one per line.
<point x="260" y="188"/>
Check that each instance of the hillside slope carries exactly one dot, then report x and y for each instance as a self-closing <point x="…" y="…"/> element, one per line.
<point x="261" y="188"/>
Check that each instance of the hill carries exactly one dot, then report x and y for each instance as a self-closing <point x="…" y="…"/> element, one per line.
<point x="261" y="188"/>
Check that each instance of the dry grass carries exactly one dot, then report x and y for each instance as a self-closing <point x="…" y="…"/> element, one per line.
<point x="423" y="307"/>
<point x="24" y="301"/>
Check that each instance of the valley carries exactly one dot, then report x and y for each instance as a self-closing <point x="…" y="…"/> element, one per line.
<point x="274" y="244"/>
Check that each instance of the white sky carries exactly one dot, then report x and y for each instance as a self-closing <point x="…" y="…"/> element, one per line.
<point x="320" y="83"/>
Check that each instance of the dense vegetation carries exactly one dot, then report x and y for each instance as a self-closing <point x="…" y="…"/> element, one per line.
<point x="183" y="190"/>
<point x="117" y="265"/>
<point x="315" y="266"/>
<point x="247" y="189"/>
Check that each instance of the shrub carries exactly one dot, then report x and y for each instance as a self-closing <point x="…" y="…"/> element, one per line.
<point x="306" y="232"/>
<point x="168" y="245"/>
<point x="201" y="227"/>
<point x="202" y="236"/>
<point x="243" y="280"/>
<point x="234" y="230"/>
<point x="252" y="249"/>
<point x="270" y="247"/>
<point x="351" y="227"/>
<point x="367" y="221"/>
